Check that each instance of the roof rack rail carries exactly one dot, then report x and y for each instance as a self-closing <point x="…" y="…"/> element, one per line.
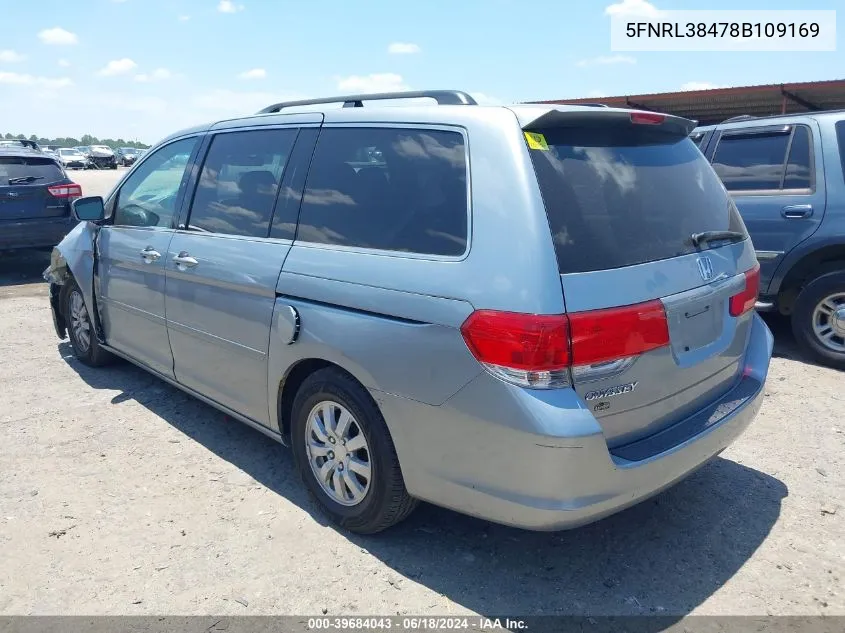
<point x="741" y="117"/>
<point x="593" y="105"/>
<point x="442" y="97"/>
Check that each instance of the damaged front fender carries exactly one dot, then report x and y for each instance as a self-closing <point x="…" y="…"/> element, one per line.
<point x="73" y="256"/>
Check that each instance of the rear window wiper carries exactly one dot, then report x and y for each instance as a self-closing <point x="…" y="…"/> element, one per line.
<point x="705" y="237"/>
<point x="24" y="180"/>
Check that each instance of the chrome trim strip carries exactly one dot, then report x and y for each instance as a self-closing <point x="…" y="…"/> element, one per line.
<point x="766" y="255"/>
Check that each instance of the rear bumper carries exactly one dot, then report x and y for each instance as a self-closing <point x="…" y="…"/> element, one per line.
<point x="36" y="233"/>
<point x="538" y="460"/>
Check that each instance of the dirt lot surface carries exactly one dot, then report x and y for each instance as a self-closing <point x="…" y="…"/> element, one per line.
<point x="121" y="495"/>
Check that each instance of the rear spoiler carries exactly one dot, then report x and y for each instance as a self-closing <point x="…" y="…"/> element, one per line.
<point x="586" y="117"/>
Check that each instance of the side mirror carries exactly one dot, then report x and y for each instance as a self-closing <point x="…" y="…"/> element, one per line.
<point x="90" y="209"/>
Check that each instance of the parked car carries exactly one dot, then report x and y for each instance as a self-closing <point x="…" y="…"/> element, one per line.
<point x="72" y="158"/>
<point x="17" y="143"/>
<point x="127" y="156"/>
<point x="785" y="174"/>
<point x="35" y="197"/>
<point x="102" y="157"/>
<point x="408" y="335"/>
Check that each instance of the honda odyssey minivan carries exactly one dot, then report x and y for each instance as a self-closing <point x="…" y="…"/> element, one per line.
<point x="534" y="314"/>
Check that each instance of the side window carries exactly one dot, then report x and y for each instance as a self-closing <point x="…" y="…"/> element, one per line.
<point x="799" y="164"/>
<point x="389" y="189"/>
<point x="149" y="195"/>
<point x="840" y="137"/>
<point x="239" y="182"/>
<point x="753" y="161"/>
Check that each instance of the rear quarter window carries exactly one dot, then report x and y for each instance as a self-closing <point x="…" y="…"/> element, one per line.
<point x="617" y="199"/>
<point x="36" y="170"/>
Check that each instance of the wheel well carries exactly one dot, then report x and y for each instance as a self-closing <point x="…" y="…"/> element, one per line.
<point x="820" y="262"/>
<point x="291" y="384"/>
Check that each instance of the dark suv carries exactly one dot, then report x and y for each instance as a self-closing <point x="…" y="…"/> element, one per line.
<point x="35" y="197"/>
<point x="785" y="174"/>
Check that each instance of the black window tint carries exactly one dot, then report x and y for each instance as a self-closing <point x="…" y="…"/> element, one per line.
<point x="389" y="189"/>
<point x="798" y="166"/>
<point x="149" y="195"/>
<point x="617" y="199"/>
<point x="35" y="171"/>
<point x="239" y="182"/>
<point x="752" y="162"/>
<point x="840" y="137"/>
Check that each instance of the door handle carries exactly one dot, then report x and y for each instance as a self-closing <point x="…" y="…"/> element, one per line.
<point x="793" y="211"/>
<point x="149" y="255"/>
<point x="183" y="259"/>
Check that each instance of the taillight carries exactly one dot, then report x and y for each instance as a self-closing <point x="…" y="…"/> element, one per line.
<point x="531" y="350"/>
<point x="647" y="118"/>
<point x="604" y="335"/>
<point x="538" y="350"/>
<point x="65" y="191"/>
<point x="745" y="300"/>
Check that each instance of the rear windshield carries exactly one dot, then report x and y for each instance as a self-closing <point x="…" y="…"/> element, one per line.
<point x="18" y="170"/>
<point x="617" y="197"/>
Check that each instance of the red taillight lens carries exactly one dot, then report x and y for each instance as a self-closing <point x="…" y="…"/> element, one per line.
<point x="745" y="300"/>
<point x="527" y="342"/>
<point x="537" y="350"/>
<point x="603" y="335"/>
<point x="647" y="118"/>
<point x="65" y="191"/>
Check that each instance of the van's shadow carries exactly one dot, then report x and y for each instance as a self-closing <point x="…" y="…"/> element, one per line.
<point x="664" y="556"/>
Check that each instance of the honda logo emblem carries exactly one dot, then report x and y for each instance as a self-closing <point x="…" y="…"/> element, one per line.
<point x="705" y="267"/>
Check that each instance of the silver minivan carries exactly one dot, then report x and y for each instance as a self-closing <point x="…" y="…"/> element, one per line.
<point x="535" y="314"/>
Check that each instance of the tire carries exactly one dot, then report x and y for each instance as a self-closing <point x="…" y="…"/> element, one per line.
<point x="806" y="320"/>
<point x="88" y="352"/>
<point x="386" y="501"/>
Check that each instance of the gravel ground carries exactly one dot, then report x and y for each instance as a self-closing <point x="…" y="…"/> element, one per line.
<point x="121" y="495"/>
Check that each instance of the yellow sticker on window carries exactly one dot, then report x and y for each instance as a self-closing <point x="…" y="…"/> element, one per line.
<point x="536" y="141"/>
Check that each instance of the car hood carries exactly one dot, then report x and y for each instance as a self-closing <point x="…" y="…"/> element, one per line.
<point x="101" y="152"/>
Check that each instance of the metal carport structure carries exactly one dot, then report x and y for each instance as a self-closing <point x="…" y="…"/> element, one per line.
<point x="716" y="105"/>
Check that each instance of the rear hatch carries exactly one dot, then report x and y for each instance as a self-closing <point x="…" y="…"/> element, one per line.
<point x="28" y="188"/>
<point x="658" y="274"/>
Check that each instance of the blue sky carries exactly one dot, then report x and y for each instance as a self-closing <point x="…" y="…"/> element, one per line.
<point x="140" y="69"/>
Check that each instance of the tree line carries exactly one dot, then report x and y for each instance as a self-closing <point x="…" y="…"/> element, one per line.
<point x="87" y="139"/>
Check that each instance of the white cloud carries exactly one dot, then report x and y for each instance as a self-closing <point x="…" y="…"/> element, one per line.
<point x="376" y="82"/>
<point x="117" y="67"/>
<point x="18" y="79"/>
<point x="184" y="18"/>
<point x="227" y="6"/>
<point x="159" y="74"/>
<point x="403" y="48"/>
<point x="699" y="85"/>
<point x="255" y="73"/>
<point x="632" y="8"/>
<point x="10" y="57"/>
<point x="64" y="63"/>
<point x="605" y="60"/>
<point x="58" y="36"/>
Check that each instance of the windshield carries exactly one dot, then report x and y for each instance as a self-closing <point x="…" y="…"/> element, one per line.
<point x="617" y="198"/>
<point x="69" y="152"/>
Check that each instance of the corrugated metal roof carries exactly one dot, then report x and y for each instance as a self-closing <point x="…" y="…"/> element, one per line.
<point x="718" y="104"/>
